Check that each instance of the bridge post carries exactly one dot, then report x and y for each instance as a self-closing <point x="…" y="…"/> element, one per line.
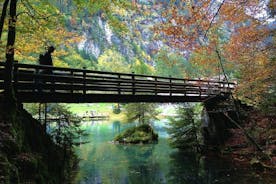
<point x="52" y="83"/>
<point x="15" y="75"/>
<point x="84" y="80"/>
<point x="155" y="80"/>
<point x="37" y="80"/>
<point x="228" y="88"/>
<point x="208" y="88"/>
<point x="184" y="81"/>
<point x="170" y="85"/>
<point x="133" y="83"/>
<point x="200" y="83"/>
<point x="72" y="75"/>
<point x="119" y="84"/>
<point x="214" y="123"/>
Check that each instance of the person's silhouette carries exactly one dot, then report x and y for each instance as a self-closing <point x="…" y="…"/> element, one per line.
<point x="46" y="59"/>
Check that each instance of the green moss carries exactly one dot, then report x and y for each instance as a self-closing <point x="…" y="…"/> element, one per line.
<point x="141" y="134"/>
<point x="8" y="172"/>
<point x="27" y="165"/>
<point x="27" y="154"/>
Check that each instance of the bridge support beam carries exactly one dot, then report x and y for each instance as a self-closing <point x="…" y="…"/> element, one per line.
<point x="214" y="124"/>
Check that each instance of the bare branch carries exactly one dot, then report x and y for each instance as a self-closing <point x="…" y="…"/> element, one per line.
<point x="3" y="16"/>
<point x="210" y="25"/>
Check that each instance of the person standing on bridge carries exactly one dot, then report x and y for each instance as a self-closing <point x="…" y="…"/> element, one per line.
<point x="46" y="59"/>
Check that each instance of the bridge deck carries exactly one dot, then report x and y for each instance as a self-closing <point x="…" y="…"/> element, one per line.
<point x="34" y="83"/>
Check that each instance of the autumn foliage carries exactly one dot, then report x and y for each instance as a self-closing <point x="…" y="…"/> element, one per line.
<point x="241" y="32"/>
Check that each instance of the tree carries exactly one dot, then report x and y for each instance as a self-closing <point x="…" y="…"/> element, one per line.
<point x="183" y="130"/>
<point x="65" y="128"/>
<point x="109" y="10"/>
<point x="145" y="113"/>
<point x="140" y="67"/>
<point x="67" y="131"/>
<point x="3" y="16"/>
<point x="239" y="30"/>
<point x="75" y="60"/>
<point x="39" y="24"/>
<point x="113" y="61"/>
<point x="172" y="64"/>
<point x="8" y="91"/>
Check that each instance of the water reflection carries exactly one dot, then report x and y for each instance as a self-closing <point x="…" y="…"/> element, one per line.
<point x="194" y="169"/>
<point x="116" y="127"/>
<point x="104" y="162"/>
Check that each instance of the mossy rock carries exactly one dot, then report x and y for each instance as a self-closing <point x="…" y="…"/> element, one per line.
<point x="257" y="165"/>
<point x="8" y="144"/>
<point x="140" y="134"/>
<point x="8" y="172"/>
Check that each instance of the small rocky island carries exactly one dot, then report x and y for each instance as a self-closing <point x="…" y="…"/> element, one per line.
<point x="141" y="134"/>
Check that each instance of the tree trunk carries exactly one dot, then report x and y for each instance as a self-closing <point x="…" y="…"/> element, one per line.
<point x="10" y="54"/>
<point x="3" y="16"/>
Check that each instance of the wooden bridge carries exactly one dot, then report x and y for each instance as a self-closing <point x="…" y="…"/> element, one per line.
<point x="67" y="85"/>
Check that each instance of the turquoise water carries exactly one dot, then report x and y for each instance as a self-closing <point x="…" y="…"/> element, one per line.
<point x="108" y="163"/>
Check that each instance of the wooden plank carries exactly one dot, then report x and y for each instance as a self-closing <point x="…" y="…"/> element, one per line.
<point x="90" y="89"/>
<point x="28" y="79"/>
<point x="96" y="98"/>
<point x="28" y="66"/>
<point x="31" y="76"/>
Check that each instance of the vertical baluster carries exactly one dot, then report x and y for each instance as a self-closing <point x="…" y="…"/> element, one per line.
<point x="228" y="88"/>
<point x="38" y="80"/>
<point x="133" y="83"/>
<point x="185" y="87"/>
<point x="15" y="76"/>
<point x="53" y="78"/>
<point x="84" y="80"/>
<point x="155" y="80"/>
<point x="199" y="87"/>
<point x="72" y="83"/>
<point x="170" y="87"/>
<point x="119" y="84"/>
<point x="208" y="88"/>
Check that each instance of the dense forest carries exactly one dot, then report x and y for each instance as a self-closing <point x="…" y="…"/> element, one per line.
<point x="222" y="40"/>
<point x="183" y="39"/>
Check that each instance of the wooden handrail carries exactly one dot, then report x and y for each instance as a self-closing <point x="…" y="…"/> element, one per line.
<point x="36" y="79"/>
<point x="31" y="66"/>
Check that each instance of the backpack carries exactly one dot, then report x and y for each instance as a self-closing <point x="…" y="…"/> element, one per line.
<point x="41" y="59"/>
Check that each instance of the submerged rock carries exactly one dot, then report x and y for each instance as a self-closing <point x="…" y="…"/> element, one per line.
<point x="140" y="134"/>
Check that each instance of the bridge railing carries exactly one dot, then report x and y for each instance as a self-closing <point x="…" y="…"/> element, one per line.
<point x="47" y="79"/>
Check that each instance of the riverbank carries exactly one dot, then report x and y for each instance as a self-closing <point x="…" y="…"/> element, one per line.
<point x="27" y="153"/>
<point x="262" y="128"/>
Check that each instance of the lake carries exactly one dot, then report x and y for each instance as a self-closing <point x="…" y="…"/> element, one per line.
<point x="108" y="163"/>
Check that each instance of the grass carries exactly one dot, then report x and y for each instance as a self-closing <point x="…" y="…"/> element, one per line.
<point x="98" y="108"/>
<point x="106" y="108"/>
